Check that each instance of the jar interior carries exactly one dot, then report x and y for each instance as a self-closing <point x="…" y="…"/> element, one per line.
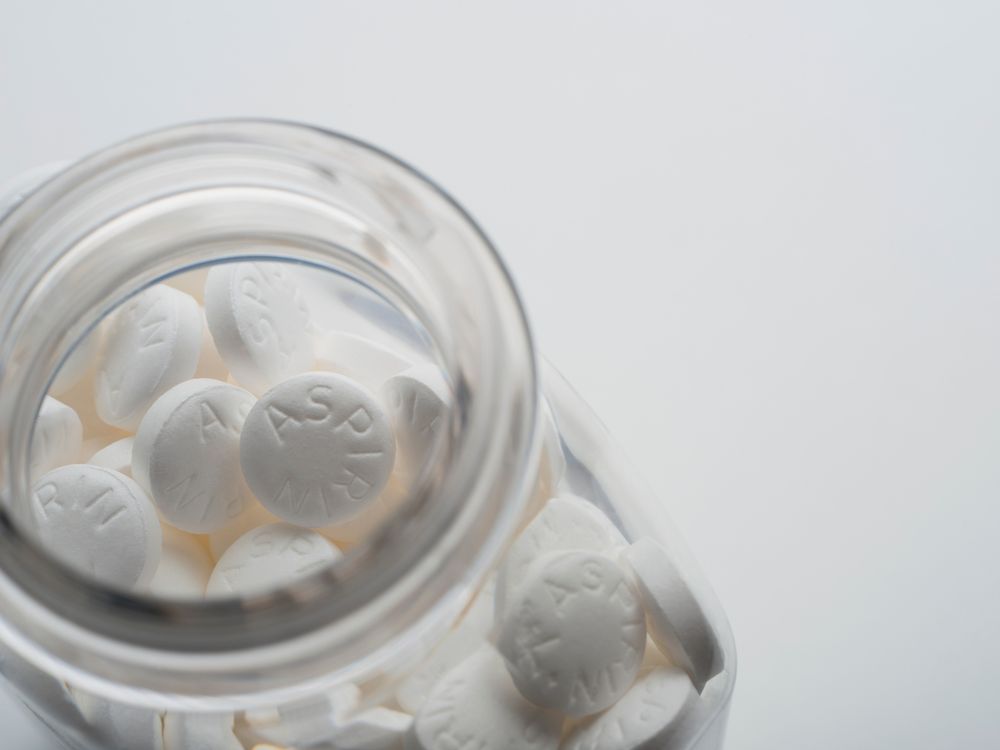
<point x="355" y="332"/>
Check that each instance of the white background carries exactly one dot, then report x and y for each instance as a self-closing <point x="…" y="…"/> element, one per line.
<point x="761" y="238"/>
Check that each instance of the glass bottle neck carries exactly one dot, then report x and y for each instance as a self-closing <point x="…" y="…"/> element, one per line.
<point x="129" y="216"/>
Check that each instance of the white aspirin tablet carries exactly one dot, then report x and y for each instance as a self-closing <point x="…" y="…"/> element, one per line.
<point x="574" y="633"/>
<point x="153" y="343"/>
<point x="259" y="321"/>
<point x="58" y="437"/>
<point x="269" y="557"/>
<point x="199" y="732"/>
<point x="477" y="706"/>
<point x="644" y="719"/>
<point x="317" y="449"/>
<point x="361" y="359"/>
<point x="184" y="569"/>
<point x="466" y="638"/>
<point x="564" y="523"/>
<point x="117" y="725"/>
<point x="116" y="455"/>
<point x="98" y="522"/>
<point x="253" y="515"/>
<point x="677" y="623"/>
<point x="417" y="401"/>
<point x="187" y="454"/>
<point x="79" y="362"/>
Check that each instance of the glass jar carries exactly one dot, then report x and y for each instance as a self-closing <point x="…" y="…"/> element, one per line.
<point x="410" y="262"/>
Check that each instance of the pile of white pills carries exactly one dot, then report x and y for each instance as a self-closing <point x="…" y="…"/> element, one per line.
<point x="213" y="439"/>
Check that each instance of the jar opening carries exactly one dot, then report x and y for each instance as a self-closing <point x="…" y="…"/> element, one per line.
<point x="373" y="232"/>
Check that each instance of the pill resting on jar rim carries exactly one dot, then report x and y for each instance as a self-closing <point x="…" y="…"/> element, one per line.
<point x="317" y="449"/>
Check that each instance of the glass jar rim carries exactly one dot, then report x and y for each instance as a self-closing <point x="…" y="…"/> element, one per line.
<point x="312" y="633"/>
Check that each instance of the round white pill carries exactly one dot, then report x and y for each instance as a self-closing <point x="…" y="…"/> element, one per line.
<point x="259" y="321"/>
<point x="116" y="455"/>
<point x="677" y="623"/>
<point x="99" y="522"/>
<point x="184" y="568"/>
<point x="187" y="454"/>
<point x="575" y="632"/>
<point x="644" y="719"/>
<point x="476" y="706"/>
<point x="199" y="732"/>
<point x="269" y="557"/>
<point x="153" y="343"/>
<point x="359" y="358"/>
<point x="417" y="401"/>
<point x="57" y="439"/>
<point x="117" y="725"/>
<point x="317" y="449"/>
<point x="564" y="523"/>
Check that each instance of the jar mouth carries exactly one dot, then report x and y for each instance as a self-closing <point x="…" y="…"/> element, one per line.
<point x="125" y="218"/>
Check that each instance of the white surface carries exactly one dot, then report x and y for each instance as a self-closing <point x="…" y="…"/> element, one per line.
<point x="775" y="222"/>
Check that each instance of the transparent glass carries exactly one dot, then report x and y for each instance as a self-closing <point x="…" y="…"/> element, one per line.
<point x="412" y="262"/>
